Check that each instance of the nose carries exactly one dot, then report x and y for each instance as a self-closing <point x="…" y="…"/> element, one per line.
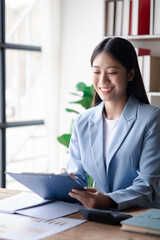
<point x="104" y="79"/>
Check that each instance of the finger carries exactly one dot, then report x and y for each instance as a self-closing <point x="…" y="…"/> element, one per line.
<point x="63" y="170"/>
<point x="72" y="175"/>
<point x="80" y="198"/>
<point x="90" y="189"/>
<point x="85" y="194"/>
<point x="87" y="202"/>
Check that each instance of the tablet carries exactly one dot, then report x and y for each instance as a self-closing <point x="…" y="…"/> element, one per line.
<point x="48" y="186"/>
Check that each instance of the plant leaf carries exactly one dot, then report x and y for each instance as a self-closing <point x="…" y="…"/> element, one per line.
<point x="89" y="91"/>
<point x="85" y="102"/>
<point x="81" y="86"/>
<point x="71" y="110"/>
<point x="86" y="90"/>
<point x="64" y="139"/>
<point x="90" y="181"/>
<point x="76" y="94"/>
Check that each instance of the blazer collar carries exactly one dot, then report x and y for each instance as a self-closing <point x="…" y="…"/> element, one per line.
<point x="96" y="133"/>
<point x="96" y="143"/>
<point x="97" y="112"/>
<point x="126" y="122"/>
<point x="129" y="111"/>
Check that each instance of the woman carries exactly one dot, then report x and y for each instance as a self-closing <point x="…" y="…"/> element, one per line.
<point x="117" y="141"/>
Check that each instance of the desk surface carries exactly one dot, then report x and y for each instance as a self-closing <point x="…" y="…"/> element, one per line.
<point x="92" y="230"/>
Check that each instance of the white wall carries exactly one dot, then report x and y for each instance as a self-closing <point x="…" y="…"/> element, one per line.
<point x="82" y="27"/>
<point x="51" y="68"/>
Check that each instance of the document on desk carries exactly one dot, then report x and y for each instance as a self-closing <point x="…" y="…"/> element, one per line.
<point x="30" y="204"/>
<point x="16" y="227"/>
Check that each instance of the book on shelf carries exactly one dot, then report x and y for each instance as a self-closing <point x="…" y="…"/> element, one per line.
<point x="156" y="17"/>
<point x="147" y="223"/>
<point x="110" y="16"/>
<point x="151" y="73"/>
<point x="140" y="53"/>
<point x="150" y="69"/>
<point x="152" y="5"/>
<point x="140" y="17"/>
<point x="118" y="18"/>
<point x="125" y="17"/>
<point x="143" y="51"/>
<point x="140" y="63"/>
<point x="154" y="99"/>
<point x="130" y="18"/>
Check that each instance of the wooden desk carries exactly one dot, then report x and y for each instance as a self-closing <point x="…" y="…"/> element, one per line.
<point x="92" y="230"/>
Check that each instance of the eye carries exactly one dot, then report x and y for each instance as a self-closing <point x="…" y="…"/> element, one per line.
<point x="112" y="73"/>
<point x="96" y="72"/>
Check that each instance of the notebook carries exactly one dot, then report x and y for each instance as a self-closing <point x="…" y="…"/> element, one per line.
<point x="21" y="201"/>
<point x="147" y="223"/>
<point x="49" y="186"/>
<point x="30" y="204"/>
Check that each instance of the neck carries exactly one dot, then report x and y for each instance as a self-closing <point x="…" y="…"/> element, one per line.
<point x="113" y="109"/>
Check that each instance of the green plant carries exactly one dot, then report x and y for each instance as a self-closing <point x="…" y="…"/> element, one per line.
<point x="86" y="97"/>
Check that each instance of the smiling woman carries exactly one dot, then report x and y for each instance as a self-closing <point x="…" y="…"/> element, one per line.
<point x="110" y="80"/>
<point x="116" y="142"/>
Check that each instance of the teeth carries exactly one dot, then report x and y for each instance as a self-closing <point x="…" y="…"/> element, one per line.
<point x="105" y="89"/>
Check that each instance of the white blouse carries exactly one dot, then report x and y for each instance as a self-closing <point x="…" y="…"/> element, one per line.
<point x="109" y="131"/>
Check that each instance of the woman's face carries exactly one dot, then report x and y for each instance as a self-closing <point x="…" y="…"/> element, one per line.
<point x="110" y="78"/>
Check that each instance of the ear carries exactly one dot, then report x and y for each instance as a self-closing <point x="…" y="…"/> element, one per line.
<point x="131" y="75"/>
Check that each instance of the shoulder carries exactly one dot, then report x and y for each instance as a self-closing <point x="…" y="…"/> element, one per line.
<point x="142" y="110"/>
<point x="92" y="114"/>
<point x="149" y="110"/>
<point x="150" y="115"/>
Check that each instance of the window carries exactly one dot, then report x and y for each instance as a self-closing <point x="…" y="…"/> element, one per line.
<point x="22" y="110"/>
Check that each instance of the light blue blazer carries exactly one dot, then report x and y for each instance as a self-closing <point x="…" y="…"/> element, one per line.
<point x="132" y="173"/>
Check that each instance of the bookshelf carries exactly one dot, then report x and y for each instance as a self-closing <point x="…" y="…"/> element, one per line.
<point x="142" y="37"/>
<point x="115" y="12"/>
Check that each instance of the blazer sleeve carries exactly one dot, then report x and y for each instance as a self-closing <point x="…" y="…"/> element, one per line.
<point x="74" y="163"/>
<point x="145" y="190"/>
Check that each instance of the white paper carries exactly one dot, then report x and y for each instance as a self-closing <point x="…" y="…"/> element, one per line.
<point x="21" y="200"/>
<point x="51" y="210"/>
<point x="16" y="227"/>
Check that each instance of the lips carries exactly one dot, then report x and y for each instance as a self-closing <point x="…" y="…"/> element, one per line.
<point x="106" y="90"/>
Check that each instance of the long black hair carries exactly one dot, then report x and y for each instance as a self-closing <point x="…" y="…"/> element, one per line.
<point x="123" y="51"/>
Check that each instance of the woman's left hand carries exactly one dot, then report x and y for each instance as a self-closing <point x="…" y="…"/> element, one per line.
<point x="92" y="198"/>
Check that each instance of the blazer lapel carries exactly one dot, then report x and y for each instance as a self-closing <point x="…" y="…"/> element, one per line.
<point x="96" y="142"/>
<point x="126" y="122"/>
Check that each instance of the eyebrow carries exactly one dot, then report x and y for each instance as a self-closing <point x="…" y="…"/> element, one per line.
<point x="106" y="67"/>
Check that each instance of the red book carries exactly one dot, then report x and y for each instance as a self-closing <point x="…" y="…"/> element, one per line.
<point x="140" y="17"/>
<point x="143" y="51"/>
<point x="144" y="17"/>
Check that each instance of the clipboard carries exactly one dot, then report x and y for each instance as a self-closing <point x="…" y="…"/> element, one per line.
<point x="48" y="186"/>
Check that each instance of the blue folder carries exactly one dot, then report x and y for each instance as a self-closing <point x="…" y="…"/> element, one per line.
<point x="48" y="186"/>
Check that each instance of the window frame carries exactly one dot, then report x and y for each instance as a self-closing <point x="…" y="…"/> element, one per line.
<point x="4" y="125"/>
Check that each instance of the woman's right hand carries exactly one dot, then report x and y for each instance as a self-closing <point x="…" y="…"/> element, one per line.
<point x="63" y="170"/>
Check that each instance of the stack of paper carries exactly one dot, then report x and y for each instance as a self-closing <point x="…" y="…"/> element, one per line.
<point x="30" y="204"/>
<point x="15" y="227"/>
<point x="42" y="217"/>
